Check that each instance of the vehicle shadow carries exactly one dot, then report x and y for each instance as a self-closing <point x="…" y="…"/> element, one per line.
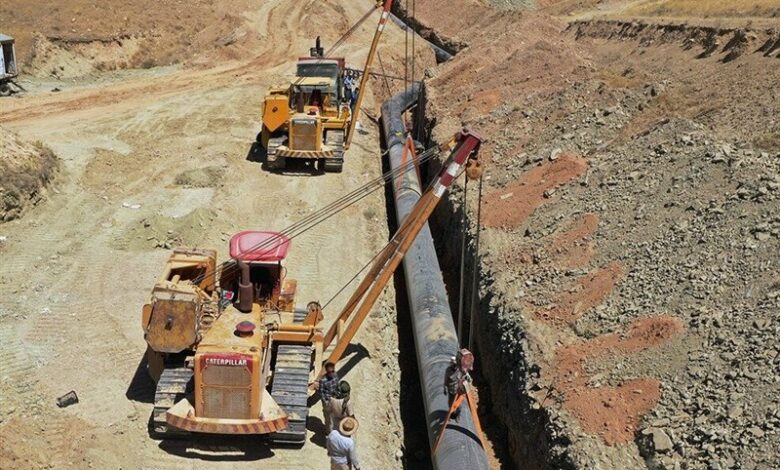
<point x="222" y="448"/>
<point x="141" y="387"/>
<point x="294" y="167"/>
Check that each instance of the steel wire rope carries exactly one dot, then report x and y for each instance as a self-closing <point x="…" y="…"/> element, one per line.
<point x="475" y="268"/>
<point x="390" y="242"/>
<point x="323" y="214"/>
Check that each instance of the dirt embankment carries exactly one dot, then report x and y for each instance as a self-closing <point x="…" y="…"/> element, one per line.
<point x="724" y="43"/>
<point x="76" y="38"/>
<point x="624" y="297"/>
<point x="26" y="168"/>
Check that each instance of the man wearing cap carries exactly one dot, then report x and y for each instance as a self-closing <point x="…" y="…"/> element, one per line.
<point x="340" y="406"/>
<point x="341" y="446"/>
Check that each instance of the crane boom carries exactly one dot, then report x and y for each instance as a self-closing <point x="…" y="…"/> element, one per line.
<point x="364" y="77"/>
<point x="464" y="152"/>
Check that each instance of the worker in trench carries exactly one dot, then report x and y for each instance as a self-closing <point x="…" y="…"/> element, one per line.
<point x="327" y="386"/>
<point x="457" y="377"/>
<point x="340" y="405"/>
<point x="341" y="446"/>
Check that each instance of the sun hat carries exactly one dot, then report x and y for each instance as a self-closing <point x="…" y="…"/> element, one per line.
<point x="348" y="426"/>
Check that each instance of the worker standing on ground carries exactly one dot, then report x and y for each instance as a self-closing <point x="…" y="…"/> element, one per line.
<point x="340" y="405"/>
<point x="341" y="446"/>
<point x="327" y="386"/>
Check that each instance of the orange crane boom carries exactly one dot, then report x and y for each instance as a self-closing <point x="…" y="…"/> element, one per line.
<point x="462" y="157"/>
<point x="369" y="61"/>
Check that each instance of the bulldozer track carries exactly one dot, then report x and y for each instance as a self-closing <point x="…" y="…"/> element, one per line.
<point x="335" y="139"/>
<point x="290" y="389"/>
<point x="273" y="147"/>
<point x="174" y="384"/>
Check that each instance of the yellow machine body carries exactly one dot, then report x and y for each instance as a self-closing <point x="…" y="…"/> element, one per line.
<point x="193" y="330"/>
<point x="309" y="118"/>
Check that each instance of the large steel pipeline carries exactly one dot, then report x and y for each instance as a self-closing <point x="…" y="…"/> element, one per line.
<point x="434" y="331"/>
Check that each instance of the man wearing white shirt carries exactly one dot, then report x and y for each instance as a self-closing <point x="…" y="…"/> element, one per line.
<point x="341" y="446"/>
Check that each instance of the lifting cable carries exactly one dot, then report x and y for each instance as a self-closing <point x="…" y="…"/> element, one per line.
<point x="383" y="75"/>
<point x="463" y="234"/>
<point x="336" y="45"/>
<point x="406" y="49"/>
<point x="473" y="304"/>
<point x="380" y="252"/>
<point x="475" y="269"/>
<point x="414" y="33"/>
<point x="321" y="215"/>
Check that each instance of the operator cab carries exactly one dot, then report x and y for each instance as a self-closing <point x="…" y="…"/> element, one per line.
<point x="310" y="95"/>
<point x="326" y="70"/>
<point x="260" y="274"/>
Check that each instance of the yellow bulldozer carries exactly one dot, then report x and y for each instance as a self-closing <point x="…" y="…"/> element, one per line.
<point x="309" y="118"/>
<point x="314" y="118"/>
<point x="226" y="345"/>
<point x="213" y="334"/>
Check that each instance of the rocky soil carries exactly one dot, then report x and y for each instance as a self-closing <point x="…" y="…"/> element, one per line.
<point x="630" y="282"/>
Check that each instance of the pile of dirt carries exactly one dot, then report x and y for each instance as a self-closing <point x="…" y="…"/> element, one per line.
<point x="723" y="42"/>
<point x="160" y="231"/>
<point x="708" y="9"/>
<point x="629" y="301"/>
<point x="26" y="168"/>
<point x="207" y="177"/>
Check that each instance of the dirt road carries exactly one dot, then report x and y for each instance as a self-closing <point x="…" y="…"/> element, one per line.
<point x="77" y="269"/>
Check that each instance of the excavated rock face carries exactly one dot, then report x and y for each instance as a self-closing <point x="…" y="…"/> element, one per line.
<point x="26" y="168"/>
<point x="629" y="300"/>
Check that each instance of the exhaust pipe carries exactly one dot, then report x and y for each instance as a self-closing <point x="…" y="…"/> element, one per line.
<point x="245" y="290"/>
<point x="434" y="330"/>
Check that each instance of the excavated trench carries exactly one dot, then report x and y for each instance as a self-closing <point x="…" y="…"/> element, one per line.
<point x="521" y="433"/>
<point x="517" y="427"/>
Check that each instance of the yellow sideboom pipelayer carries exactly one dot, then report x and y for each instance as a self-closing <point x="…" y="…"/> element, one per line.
<point x="313" y="118"/>
<point x="228" y="349"/>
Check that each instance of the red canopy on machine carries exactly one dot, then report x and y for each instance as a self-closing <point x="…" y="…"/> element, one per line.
<point x="265" y="247"/>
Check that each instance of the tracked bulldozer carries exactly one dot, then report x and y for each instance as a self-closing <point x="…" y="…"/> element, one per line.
<point x="226" y="345"/>
<point x="314" y="118"/>
<point x="214" y="335"/>
<point x="309" y="118"/>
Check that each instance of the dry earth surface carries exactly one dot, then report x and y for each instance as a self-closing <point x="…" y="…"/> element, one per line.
<point x="153" y="157"/>
<point x="630" y="293"/>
